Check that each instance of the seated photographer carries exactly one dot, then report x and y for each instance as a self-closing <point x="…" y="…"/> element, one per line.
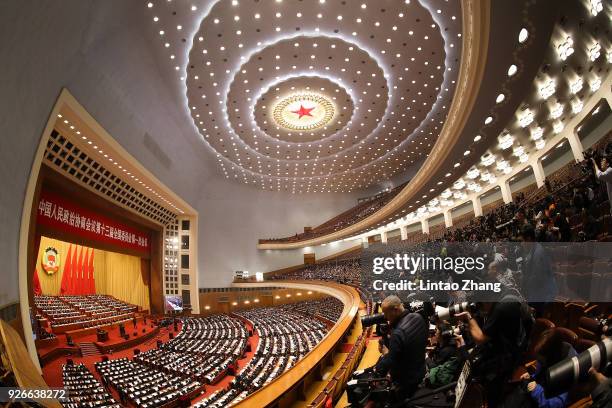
<point x="550" y="349"/>
<point x="404" y="352"/>
<point x="447" y="358"/>
<point x="502" y="340"/>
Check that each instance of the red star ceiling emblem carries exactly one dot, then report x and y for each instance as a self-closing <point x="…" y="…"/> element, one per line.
<point x="303" y="111"/>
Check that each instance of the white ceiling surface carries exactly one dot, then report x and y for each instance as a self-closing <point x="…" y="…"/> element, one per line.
<point x="397" y="61"/>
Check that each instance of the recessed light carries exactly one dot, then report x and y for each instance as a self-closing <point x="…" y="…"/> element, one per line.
<point x="523" y="34"/>
<point x="512" y="70"/>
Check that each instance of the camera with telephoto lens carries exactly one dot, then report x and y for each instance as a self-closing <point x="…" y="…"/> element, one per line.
<point x="561" y="376"/>
<point x="423" y="307"/>
<point x="447" y="313"/>
<point x="451" y="332"/>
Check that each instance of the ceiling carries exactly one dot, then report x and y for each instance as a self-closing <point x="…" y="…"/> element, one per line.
<point x="313" y="96"/>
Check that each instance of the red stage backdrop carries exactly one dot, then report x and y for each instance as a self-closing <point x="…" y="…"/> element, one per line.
<point x="58" y="212"/>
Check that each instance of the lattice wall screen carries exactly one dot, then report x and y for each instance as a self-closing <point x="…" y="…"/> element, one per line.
<point x="63" y="155"/>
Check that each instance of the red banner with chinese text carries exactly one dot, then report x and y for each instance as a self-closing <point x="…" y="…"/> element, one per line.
<point x="57" y="212"/>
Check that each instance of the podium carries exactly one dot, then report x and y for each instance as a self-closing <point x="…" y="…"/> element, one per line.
<point x="102" y="335"/>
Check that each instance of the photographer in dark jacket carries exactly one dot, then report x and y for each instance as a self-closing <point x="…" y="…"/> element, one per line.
<point x="404" y="354"/>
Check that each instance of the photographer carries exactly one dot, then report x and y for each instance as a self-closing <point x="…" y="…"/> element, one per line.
<point x="502" y="340"/>
<point x="447" y="358"/>
<point x="550" y="349"/>
<point x="404" y="352"/>
<point x="601" y="389"/>
<point x="605" y="174"/>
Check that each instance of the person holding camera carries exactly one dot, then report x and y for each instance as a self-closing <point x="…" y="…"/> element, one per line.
<point x="447" y="358"/>
<point x="604" y="173"/>
<point x="550" y="349"/>
<point x="403" y="354"/>
<point x="502" y="339"/>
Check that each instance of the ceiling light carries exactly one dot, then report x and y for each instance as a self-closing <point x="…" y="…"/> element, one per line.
<point x="506" y="141"/>
<point x="488" y="120"/>
<point x="596" y="6"/>
<point x="149" y="5"/>
<point x="558" y="127"/>
<point x="565" y="47"/>
<point x="537" y="133"/>
<point x="500" y="98"/>
<point x="547" y="88"/>
<point x="475" y="187"/>
<point x="512" y="70"/>
<point x="595" y="84"/>
<point x="459" y="184"/>
<point x="477" y="138"/>
<point x="526" y="118"/>
<point x="576" y="85"/>
<point x="446" y="194"/>
<point x="518" y="151"/>
<point x="524" y="158"/>
<point x="523" y="34"/>
<point x="594" y="51"/>
<point x="487" y="159"/>
<point x="472" y="173"/>
<point x="577" y="105"/>
<point x="556" y="110"/>
<point x="540" y="144"/>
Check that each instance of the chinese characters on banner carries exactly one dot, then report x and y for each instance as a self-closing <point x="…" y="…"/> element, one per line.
<point x="56" y="212"/>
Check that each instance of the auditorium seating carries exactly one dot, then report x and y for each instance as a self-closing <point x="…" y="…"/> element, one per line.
<point x="343" y="220"/>
<point x="83" y="389"/>
<point x="204" y="349"/>
<point x="144" y="386"/>
<point x="83" y="311"/>
<point x="328" y="308"/>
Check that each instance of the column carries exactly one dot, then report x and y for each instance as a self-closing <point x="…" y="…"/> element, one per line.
<point x="576" y="145"/>
<point x="383" y="237"/>
<point x="404" y="232"/>
<point x="364" y="242"/>
<point x="425" y="226"/>
<point x="448" y="218"/>
<point x="505" y="190"/>
<point x="477" y="206"/>
<point x="538" y="172"/>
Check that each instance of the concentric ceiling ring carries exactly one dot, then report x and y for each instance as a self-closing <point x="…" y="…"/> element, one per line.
<point x="243" y="48"/>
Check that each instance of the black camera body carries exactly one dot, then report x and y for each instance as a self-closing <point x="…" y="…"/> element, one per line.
<point x="365" y="387"/>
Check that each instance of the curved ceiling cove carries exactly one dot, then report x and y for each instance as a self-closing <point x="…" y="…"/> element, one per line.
<point x="314" y="96"/>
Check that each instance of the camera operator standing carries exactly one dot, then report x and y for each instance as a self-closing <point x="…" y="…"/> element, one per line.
<point x="502" y="339"/>
<point x="404" y="352"/>
<point x="605" y="174"/>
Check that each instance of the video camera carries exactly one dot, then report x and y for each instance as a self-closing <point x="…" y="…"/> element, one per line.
<point x="561" y="376"/>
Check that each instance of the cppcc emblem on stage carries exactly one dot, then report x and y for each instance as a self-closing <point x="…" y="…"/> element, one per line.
<point x="50" y="260"/>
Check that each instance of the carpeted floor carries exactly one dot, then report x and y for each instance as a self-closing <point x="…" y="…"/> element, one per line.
<point x="52" y="372"/>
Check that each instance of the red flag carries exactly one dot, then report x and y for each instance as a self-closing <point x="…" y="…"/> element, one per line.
<point x="78" y="281"/>
<point x="92" y="281"/>
<point x="73" y="269"/>
<point x="36" y="283"/>
<point x="64" y="289"/>
<point x="85" y="277"/>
